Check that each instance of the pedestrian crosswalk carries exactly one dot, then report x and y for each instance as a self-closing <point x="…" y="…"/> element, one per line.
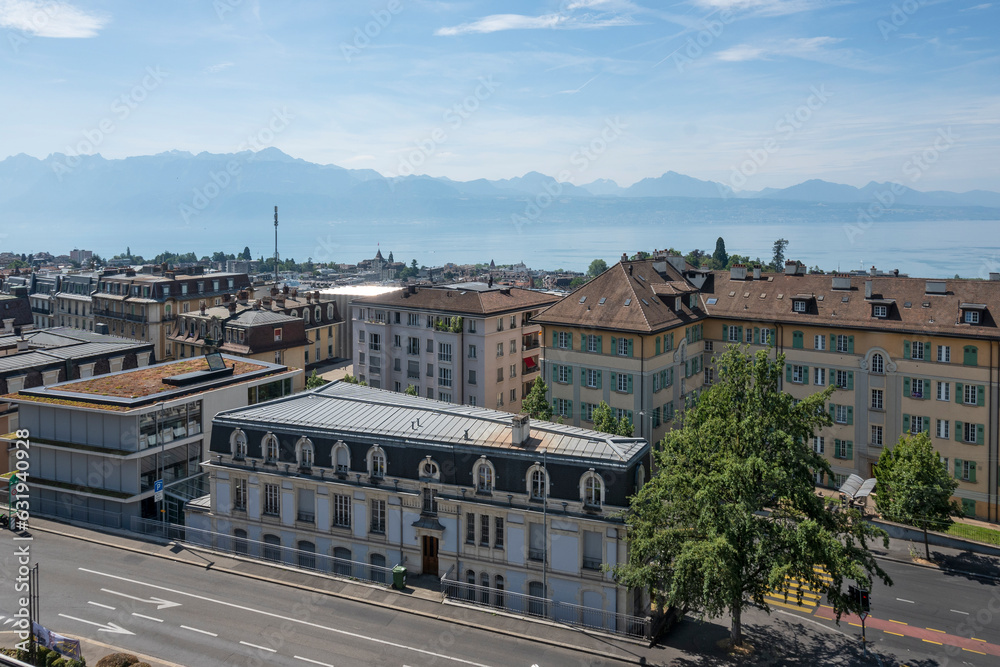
<point x="786" y="596"/>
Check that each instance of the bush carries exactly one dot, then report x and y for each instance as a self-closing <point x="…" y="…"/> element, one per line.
<point x="118" y="660"/>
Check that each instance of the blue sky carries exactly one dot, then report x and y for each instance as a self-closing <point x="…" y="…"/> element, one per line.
<point x="753" y="93"/>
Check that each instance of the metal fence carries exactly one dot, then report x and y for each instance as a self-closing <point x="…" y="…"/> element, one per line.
<point x="562" y="612"/>
<point x="59" y="509"/>
<point x="272" y="552"/>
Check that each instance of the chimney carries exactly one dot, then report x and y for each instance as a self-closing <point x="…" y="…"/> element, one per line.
<point x="872" y="272"/>
<point x="256" y="304"/>
<point x="738" y="272"/>
<point x="994" y="275"/>
<point x="624" y="256"/>
<point x="630" y="269"/>
<point x="202" y="308"/>
<point x="756" y="271"/>
<point x="791" y="267"/>
<point x="295" y="293"/>
<point x="309" y="297"/>
<point x="284" y="290"/>
<point x="520" y="431"/>
<point x="868" y="289"/>
<point x="316" y="296"/>
<point x="101" y="328"/>
<point x="242" y="297"/>
<point x="22" y="345"/>
<point x="232" y="307"/>
<point x="274" y="291"/>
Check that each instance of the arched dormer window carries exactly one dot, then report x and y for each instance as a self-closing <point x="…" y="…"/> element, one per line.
<point x="294" y="313"/>
<point x="319" y="314"/>
<point x="305" y="315"/>
<point x="485" y="475"/>
<point x="329" y="312"/>
<point x="640" y="477"/>
<point x="342" y="457"/>
<point x="878" y="363"/>
<point x="592" y="489"/>
<point x="238" y="444"/>
<point x="538" y="482"/>
<point x="304" y="452"/>
<point x="429" y="470"/>
<point x="377" y="462"/>
<point x="269" y="445"/>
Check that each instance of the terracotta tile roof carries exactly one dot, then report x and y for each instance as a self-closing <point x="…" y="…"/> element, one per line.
<point x="461" y="301"/>
<point x="909" y="306"/>
<point x="625" y="298"/>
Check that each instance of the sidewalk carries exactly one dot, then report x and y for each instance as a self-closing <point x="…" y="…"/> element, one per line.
<point x="954" y="561"/>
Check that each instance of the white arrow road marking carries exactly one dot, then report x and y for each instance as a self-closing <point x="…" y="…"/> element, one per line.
<point x="113" y="628"/>
<point x="160" y="604"/>
<point x="290" y="619"/>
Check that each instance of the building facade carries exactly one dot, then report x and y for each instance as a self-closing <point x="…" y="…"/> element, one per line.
<point x="465" y="343"/>
<point x="366" y="475"/>
<point x="74" y="305"/>
<point x="319" y="314"/>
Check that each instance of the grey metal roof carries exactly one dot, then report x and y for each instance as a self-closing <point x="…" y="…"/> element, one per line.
<point x="341" y="409"/>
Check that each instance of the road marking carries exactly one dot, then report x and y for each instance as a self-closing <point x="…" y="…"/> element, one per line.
<point x="204" y="632"/>
<point x="900" y="622"/>
<point x="323" y="664"/>
<point x="262" y="648"/>
<point x="338" y="631"/>
<point x="893" y="633"/>
<point x="857" y="625"/>
<point x="826" y="606"/>
<point x="931" y="642"/>
<point x="907" y="601"/>
<point x="148" y="618"/>
<point x="160" y="604"/>
<point x="809" y="620"/>
<point x="933" y="630"/>
<point x="977" y="640"/>
<point x="965" y="613"/>
<point x="113" y="628"/>
<point x="98" y="604"/>
<point x="971" y="651"/>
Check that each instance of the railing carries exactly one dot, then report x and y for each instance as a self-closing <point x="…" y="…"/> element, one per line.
<point x="275" y="553"/>
<point x="74" y="511"/>
<point x="531" y="605"/>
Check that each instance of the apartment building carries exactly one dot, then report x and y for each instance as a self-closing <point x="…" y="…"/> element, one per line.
<point x="363" y="475"/>
<point x="143" y="305"/>
<point x="319" y="314"/>
<point x="74" y="306"/>
<point x="43" y="288"/>
<point x="633" y="338"/>
<point x="470" y="343"/>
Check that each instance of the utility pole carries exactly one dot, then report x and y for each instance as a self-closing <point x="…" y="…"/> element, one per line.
<point x="275" y="246"/>
<point x="545" y="529"/>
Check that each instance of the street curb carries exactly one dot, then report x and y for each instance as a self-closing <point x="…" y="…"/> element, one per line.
<point x="948" y="570"/>
<point x="303" y="587"/>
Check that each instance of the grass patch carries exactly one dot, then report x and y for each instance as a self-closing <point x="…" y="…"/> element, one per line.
<point x="977" y="533"/>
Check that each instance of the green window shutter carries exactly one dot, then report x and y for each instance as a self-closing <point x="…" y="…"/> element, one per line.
<point x="600" y="347"/>
<point x="756" y="335"/>
<point x="906" y="423"/>
<point x="968" y="507"/>
<point x="670" y="375"/>
<point x="833" y="342"/>
<point x="927" y="424"/>
<point x="555" y="338"/>
<point x="906" y="386"/>
<point x="979" y="434"/>
<point x="850" y="380"/>
<point x="805" y="375"/>
<point x="739" y="333"/>
<point x="980" y="395"/>
<point x="555" y="372"/>
<point x="959" y="389"/>
<point x="614" y="345"/>
<point x="906" y="349"/>
<point x="850" y="450"/>
<point x="831" y="376"/>
<point x="569" y="408"/>
<point x="583" y="377"/>
<point x="958" y="431"/>
<point x="687" y="334"/>
<point x="958" y="468"/>
<point x="850" y="415"/>
<point x="725" y="332"/>
<point x="836" y="448"/>
<point x="972" y="472"/>
<point x="630" y="347"/>
<point x="657" y="345"/>
<point x="614" y="380"/>
<point x="833" y="411"/>
<point x="774" y="337"/>
<point x="797" y="340"/>
<point x="850" y="344"/>
<point x="570" y="376"/>
<point x="687" y="368"/>
<point x="969" y="358"/>
<point x="630" y="383"/>
<point x="671" y="341"/>
<point x="788" y="372"/>
<point x="599" y="374"/>
<point x="583" y="342"/>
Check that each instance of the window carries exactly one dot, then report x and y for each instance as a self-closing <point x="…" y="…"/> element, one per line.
<point x="943" y="429"/>
<point x="880" y="311"/>
<point x="277" y="334"/>
<point x="916" y="424"/>
<point x="593" y="343"/>
<point x="840" y="414"/>
<point x="513" y="321"/>
<point x="499" y="324"/>
<point x="412" y="319"/>
<point x="513" y="370"/>
<point x="819" y="444"/>
<point x="240" y="494"/>
<point x="593" y="490"/>
<point x="593" y="378"/>
<point x="470" y="528"/>
<point x="239" y="444"/>
<point x="709" y="346"/>
<point x="972" y="317"/>
<point x="878" y="363"/>
<point x="498" y="533"/>
<point x="429" y="501"/>
<point x="430" y="370"/>
<point x="484" y="530"/>
<point x="843" y="449"/>
<point x="472" y="376"/>
<point x="564" y="340"/>
<point x="376" y="466"/>
<point x="563" y="374"/>
<point x="799" y="306"/>
<point x="472" y="352"/>
<point x="733" y="333"/>
<point x="472" y="326"/>
<point x="842" y="380"/>
<point x="624" y="346"/>
<point x="472" y="400"/>
<point x="765" y="337"/>
<point x="819" y="376"/>
<point x="819" y="342"/>
<point x="444" y="377"/>
<point x="513" y="396"/>
<point x="536" y="541"/>
<point x="397" y="341"/>
<point x="270" y="448"/>
<point x="499" y="349"/>
<point x="306" y="455"/>
<point x="916" y="350"/>
<point x="500" y="373"/>
<point x="965" y="470"/>
<point x="877" y="395"/>
<point x="709" y="375"/>
<point x="944" y="391"/>
<point x="969" y="432"/>
<point x="444" y="352"/>
<point x="306" y="506"/>
<point x="537" y="488"/>
<point x="798" y="374"/>
<point x="412" y="345"/>
<point x="342" y="562"/>
<point x="917" y="388"/>
<point x="622" y="381"/>
<point x="944" y="353"/>
<point x="564" y="407"/>
<point x="593" y="546"/>
<point x="842" y="343"/>
<point x="430" y="345"/>
<point x="342" y="510"/>
<point x="513" y="347"/>
<point x="876" y="435"/>
<point x="377" y="516"/>
<point x="970" y="394"/>
<point x="272" y="499"/>
<point x="272" y="548"/>
<point x="749" y="338"/>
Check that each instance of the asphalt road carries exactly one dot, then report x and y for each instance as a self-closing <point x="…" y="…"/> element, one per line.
<point x="197" y="618"/>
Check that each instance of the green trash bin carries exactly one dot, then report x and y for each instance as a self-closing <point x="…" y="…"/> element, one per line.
<point x="399" y="577"/>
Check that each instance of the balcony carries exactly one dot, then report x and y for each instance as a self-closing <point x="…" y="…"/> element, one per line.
<point x="530" y="344"/>
<point x="529" y="365"/>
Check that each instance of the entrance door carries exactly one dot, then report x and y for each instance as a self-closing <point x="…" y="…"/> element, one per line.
<point x="430" y="555"/>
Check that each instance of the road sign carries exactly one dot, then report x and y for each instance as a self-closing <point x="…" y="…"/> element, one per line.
<point x="158" y="490"/>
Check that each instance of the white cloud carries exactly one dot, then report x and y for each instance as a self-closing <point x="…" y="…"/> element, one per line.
<point x="218" y="67"/>
<point x="764" y="7"/>
<point x="563" y="21"/>
<point x="49" y="19"/>
<point x="985" y="5"/>
<point x="797" y="48"/>
<point x="358" y="158"/>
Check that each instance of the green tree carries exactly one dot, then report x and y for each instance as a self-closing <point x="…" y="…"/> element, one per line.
<point x="411" y="390"/>
<point x="597" y="267"/>
<point x="914" y="486"/>
<point x="696" y="257"/>
<point x="778" y="261"/>
<point x="535" y="404"/>
<point x="246" y="253"/>
<point x="720" y="258"/>
<point x="314" y="381"/>
<point x="732" y="509"/>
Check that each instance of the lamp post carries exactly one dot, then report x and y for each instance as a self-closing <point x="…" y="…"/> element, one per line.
<point x="159" y="459"/>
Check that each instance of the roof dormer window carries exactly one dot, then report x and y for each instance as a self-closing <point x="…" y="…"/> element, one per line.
<point x="799" y="306"/>
<point x="972" y="313"/>
<point x="880" y="311"/>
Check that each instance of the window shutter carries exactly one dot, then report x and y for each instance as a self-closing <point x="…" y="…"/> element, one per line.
<point x="657" y="345"/>
<point x="583" y="377"/>
<point x="833" y="342"/>
<point x="614" y="345"/>
<point x="979" y="434"/>
<point x="958" y="431"/>
<point x="805" y="375"/>
<point x="630" y="347"/>
<point x="850" y="415"/>
<point x="797" y="339"/>
<point x="850" y="380"/>
<point x="555" y="372"/>
<point x="906" y="386"/>
<point x="670" y="374"/>
<point x="614" y="380"/>
<point x="569" y="408"/>
<point x="630" y="383"/>
<point x="980" y="395"/>
<point x="906" y="423"/>
<point x="725" y="332"/>
<point x="583" y="342"/>
<point x="970" y="355"/>
<point x="687" y="368"/>
<point x="788" y="372"/>
<point x="600" y="347"/>
<point x="756" y="335"/>
<point x="958" y="468"/>
<point x="850" y="450"/>
<point x="833" y="412"/>
<point x="671" y="341"/>
<point x="739" y="333"/>
<point x="972" y="472"/>
<point x="774" y="337"/>
<point x="555" y="338"/>
<point x="836" y="448"/>
<point x="569" y="378"/>
<point x="927" y="425"/>
<point x="959" y="392"/>
<point x="831" y="376"/>
<point x="599" y="374"/>
<point x="850" y="344"/>
<point x="906" y="349"/>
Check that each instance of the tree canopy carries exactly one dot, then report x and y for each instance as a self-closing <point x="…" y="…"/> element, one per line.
<point x="732" y="509"/>
<point x="597" y="267"/>
<point x="606" y="422"/>
<point x="914" y="486"/>
<point x="535" y="404"/>
<point x="314" y="381"/>
<point x="778" y="260"/>
<point x="720" y="258"/>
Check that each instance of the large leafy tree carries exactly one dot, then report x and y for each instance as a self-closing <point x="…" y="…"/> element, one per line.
<point x="606" y="422"/>
<point x="732" y="508"/>
<point x="914" y="486"/>
<point x="535" y="404"/>
<point x="597" y="267"/>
